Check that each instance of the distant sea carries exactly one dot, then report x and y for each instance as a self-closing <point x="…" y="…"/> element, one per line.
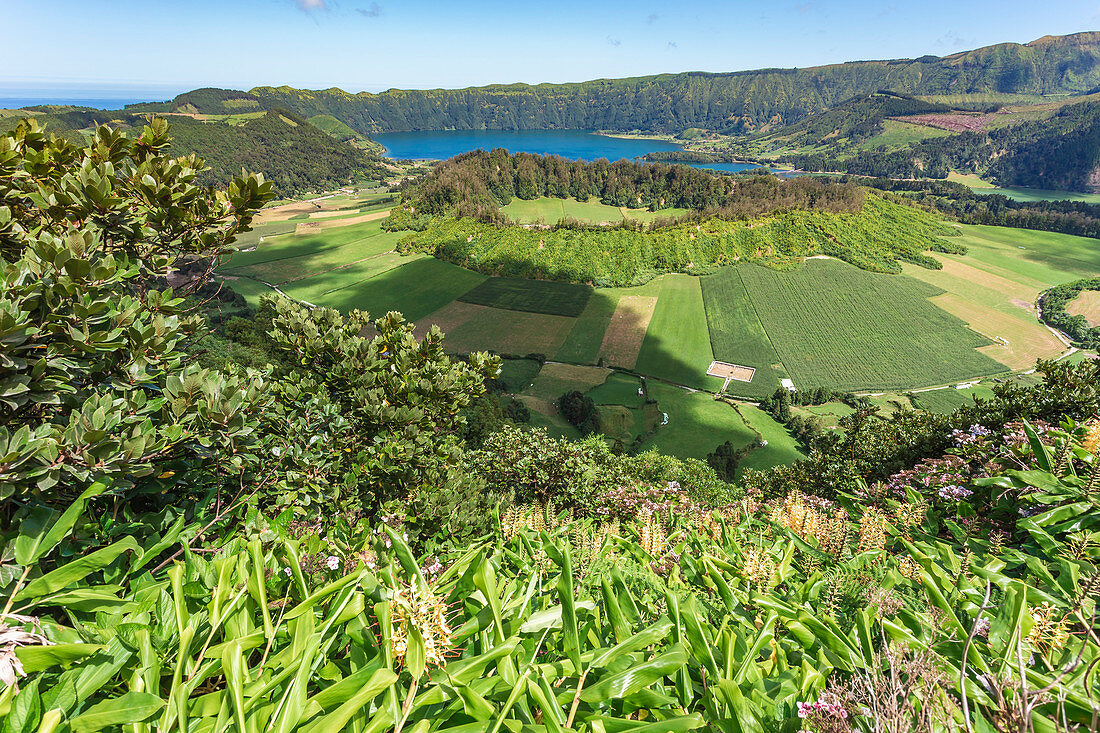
<point x="15" y="95"/>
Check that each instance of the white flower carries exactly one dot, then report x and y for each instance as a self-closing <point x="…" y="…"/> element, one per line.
<point x="333" y="562"/>
<point x="287" y="572"/>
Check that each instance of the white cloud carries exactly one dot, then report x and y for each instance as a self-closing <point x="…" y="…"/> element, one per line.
<point x="311" y="5"/>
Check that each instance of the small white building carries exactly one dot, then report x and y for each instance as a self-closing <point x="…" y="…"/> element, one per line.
<point x="788" y="384"/>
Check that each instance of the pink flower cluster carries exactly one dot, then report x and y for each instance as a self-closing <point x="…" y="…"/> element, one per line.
<point x="944" y="477"/>
<point x="823" y="706"/>
<point x="626" y="502"/>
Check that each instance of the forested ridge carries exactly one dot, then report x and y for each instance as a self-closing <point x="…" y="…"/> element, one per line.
<point x="290" y="152"/>
<point x="732" y="102"/>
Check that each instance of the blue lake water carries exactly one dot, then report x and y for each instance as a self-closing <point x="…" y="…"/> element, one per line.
<point x="572" y="144"/>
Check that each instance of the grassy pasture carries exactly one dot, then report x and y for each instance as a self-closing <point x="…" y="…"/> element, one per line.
<point x="582" y="346"/>
<point x="947" y="400"/>
<point x="1048" y="258"/>
<point x="697" y="423"/>
<point x="470" y="328"/>
<point x="548" y="210"/>
<point x="619" y="389"/>
<point x="416" y="289"/>
<point x="829" y="413"/>
<point x="346" y="263"/>
<point x="252" y="290"/>
<point x="518" y="374"/>
<point x="995" y="285"/>
<point x="288" y="246"/>
<point x="869" y="330"/>
<point x="624" y="335"/>
<point x="554" y="380"/>
<point x="544" y="414"/>
<point x="897" y="134"/>
<point x="1086" y="304"/>
<point x="677" y="343"/>
<point x="781" y="447"/>
<point x="981" y="185"/>
<point x="736" y="334"/>
<point x="534" y="296"/>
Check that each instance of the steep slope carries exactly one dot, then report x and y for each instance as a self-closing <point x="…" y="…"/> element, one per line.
<point x="290" y="152"/>
<point x="1062" y="153"/>
<point x="735" y="102"/>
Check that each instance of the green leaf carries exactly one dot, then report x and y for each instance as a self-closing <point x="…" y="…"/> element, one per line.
<point x="131" y="707"/>
<point x="338" y="719"/>
<point x="38" y="658"/>
<point x="76" y="570"/>
<point x="636" y="676"/>
<point x="30" y="547"/>
<point x="549" y="618"/>
<point x="26" y="710"/>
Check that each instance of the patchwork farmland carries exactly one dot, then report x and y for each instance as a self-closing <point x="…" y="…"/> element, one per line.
<point x="824" y="323"/>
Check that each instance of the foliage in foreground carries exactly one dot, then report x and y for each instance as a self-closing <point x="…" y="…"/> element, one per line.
<point x="864" y="613"/>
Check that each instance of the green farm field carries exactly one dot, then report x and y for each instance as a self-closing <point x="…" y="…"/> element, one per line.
<point x="469" y="327"/>
<point x="980" y="185"/>
<point x="896" y="134"/>
<point x="677" y="343"/>
<point x="1048" y="258"/>
<point x="416" y="289"/>
<point x="869" y="330"/>
<point x="619" y="389"/>
<point x="736" y="334"/>
<point x="994" y="287"/>
<point x="356" y="237"/>
<point x="697" y="423"/>
<point x="534" y="296"/>
<point x="781" y="448"/>
<point x="518" y="374"/>
<point x="582" y="345"/>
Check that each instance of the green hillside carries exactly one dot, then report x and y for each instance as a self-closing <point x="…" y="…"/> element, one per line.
<point x="737" y="101"/>
<point x="290" y="152"/>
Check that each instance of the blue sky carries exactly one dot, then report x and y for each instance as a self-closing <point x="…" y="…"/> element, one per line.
<point x="378" y="44"/>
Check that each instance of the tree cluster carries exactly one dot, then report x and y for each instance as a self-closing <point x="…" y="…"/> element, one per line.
<point x="1052" y="309"/>
<point x="477" y="183"/>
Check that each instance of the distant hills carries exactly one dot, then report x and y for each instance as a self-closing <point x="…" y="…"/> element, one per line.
<point x="291" y="152"/>
<point x="734" y="102"/>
